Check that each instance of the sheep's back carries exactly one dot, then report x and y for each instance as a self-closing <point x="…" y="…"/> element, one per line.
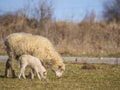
<point x="23" y="43"/>
<point x="20" y="43"/>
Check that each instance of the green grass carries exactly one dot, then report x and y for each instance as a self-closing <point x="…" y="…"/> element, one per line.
<point x="103" y="77"/>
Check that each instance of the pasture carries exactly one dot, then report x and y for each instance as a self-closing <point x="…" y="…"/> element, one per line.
<point x="76" y="77"/>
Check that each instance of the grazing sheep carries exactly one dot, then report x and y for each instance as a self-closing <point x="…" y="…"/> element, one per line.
<point x="35" y="65"/>
<point x="18" y="44"/>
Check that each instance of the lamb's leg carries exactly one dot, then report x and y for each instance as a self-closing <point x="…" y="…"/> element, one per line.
<point x="38" y="73"/>
<point x="22" y="73"/>
<point x="19" y="76"/>
<point x="32" y="73"/>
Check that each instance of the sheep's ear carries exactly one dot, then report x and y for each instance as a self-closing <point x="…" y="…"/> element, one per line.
<point x="60" y="66"/>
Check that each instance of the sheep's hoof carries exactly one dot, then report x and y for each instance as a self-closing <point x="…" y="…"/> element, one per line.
<point x="6" y="75"/>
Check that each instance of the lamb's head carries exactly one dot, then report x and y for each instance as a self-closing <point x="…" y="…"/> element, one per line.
<point x="43" y="73"/>
<point x="58" y="69"/>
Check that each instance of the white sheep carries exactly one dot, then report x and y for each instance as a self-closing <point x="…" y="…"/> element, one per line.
<point x="35" y="65"/>
<point x="18" y="44"/>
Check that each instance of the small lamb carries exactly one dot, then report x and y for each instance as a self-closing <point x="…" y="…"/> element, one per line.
<point x="35" y="65"/>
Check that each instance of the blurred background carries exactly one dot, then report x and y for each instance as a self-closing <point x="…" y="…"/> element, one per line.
<point x="86" y="28"/>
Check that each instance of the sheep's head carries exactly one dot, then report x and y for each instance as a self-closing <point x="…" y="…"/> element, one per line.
<point x="59" y="69"/>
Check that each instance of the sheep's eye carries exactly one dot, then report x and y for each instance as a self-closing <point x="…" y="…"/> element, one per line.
<point x="61" y="70"/>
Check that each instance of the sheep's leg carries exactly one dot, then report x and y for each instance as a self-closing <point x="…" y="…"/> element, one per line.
<point x="12" y="68"/>
<point x="7" y="68"/>
<point x="10" y="65"/>
<point x="12" y="61"/>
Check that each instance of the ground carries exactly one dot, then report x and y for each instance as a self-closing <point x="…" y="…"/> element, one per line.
<point x="102" y="77"/>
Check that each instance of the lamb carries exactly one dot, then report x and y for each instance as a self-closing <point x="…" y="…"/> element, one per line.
<point x="35" y="65"/>
<point x="18" y="44"/>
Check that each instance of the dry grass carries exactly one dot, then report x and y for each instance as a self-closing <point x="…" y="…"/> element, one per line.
<point x="104" y="77"/>
<point x="69" y="38"/>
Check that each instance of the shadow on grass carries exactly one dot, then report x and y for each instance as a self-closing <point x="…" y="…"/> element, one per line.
<point x="2" y="76"/>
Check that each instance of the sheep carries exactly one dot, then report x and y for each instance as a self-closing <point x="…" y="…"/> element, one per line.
<point x="18" y="44"/>
<point x="35" y="65"/>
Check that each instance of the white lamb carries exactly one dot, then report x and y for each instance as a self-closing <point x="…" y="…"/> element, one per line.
<point x="35" y="65"/>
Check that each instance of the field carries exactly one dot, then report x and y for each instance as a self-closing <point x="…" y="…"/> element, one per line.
<point x="76" y="77"/>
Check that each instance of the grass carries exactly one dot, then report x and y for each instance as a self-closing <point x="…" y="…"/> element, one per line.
<point x="103" y="77"/>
